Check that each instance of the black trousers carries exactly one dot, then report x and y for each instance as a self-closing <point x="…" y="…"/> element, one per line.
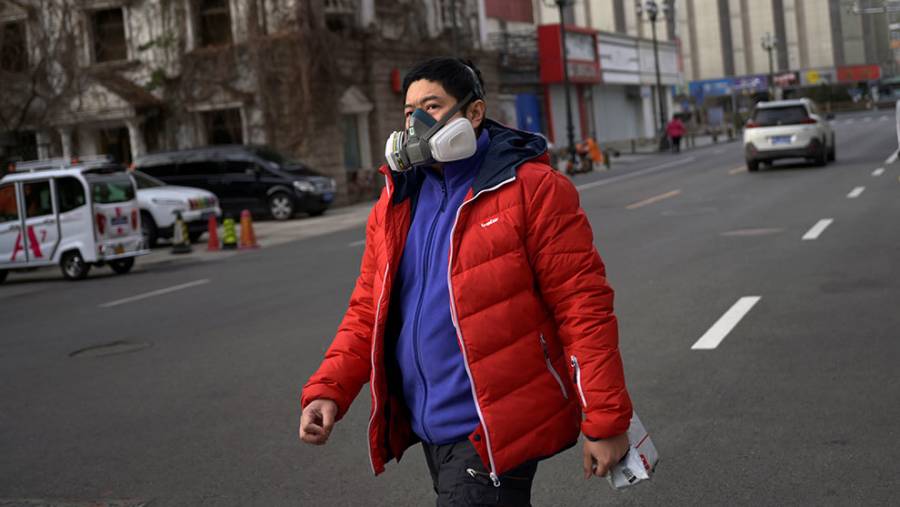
<point x="460" y="478"/>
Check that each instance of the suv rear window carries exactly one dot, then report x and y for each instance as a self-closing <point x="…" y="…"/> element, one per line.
<point x="111" y="190"/>
<point x="788" y="115"/>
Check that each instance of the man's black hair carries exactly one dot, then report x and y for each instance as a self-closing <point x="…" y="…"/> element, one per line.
<point x="457" y="76"/>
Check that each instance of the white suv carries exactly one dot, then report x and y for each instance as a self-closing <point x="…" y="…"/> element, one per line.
<point x="159" y="202"/>
<point x="788" y="129"/>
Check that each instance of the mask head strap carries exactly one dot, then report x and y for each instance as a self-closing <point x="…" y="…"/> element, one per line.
<point x="443" y="121"/>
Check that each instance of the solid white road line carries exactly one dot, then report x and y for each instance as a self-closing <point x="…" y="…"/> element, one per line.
<point x="878" y="172"/>
<point x="817" y="229"/>
<point x="855" y="192"/>
<point x="726" y="323"/>
<point x="655" y="198"/>
<point x="737" y="170"/>
<point x="628" y="176"/>
<point x="357" y="243"/>
<point x="155" y="293"/>
<point x="893" y="158"/>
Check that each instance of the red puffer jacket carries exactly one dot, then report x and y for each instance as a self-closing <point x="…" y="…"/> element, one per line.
<point x="531" y="306"/>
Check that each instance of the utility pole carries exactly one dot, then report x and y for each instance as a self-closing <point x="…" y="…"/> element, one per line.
<point x="651" y="9"/>
<point x="570" y="127"/>
<point x="769" y="43"/>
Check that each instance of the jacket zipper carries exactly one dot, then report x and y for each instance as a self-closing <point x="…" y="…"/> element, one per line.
<point x="372" y="378"/>
<point x="428" y="245"/>
<point x="578" y="380"/>
<point x="487" y="434"/>
<point x="562" y="387"/>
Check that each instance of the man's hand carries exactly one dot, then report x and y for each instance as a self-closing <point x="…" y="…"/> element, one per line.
<point x="317" y="420"/>
<point x="600" y="456"/>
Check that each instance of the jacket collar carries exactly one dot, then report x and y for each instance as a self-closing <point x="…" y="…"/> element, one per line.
<point x="508" y="149"/>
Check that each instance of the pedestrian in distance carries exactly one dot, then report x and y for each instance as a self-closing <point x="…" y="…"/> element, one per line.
<point x="481" y="318"/>
<point x="675" y="131"/>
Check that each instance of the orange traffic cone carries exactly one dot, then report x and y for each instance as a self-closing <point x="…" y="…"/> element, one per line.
<point x="248" y="238"/>
<point x="212" y="244"/>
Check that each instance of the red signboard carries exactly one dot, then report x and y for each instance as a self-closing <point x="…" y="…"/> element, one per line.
<point x="583" y="61"/>
<point x="509" y="10"/>
<point x="854" y="73"/>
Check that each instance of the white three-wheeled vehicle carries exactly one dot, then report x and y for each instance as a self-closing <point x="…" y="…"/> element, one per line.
<point x="74" y="214"/>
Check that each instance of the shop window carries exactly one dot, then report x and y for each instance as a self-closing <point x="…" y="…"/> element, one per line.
<point x="108" y="27"/>
<point x="13" y="53"/>
<point x="37" y="199"/>
<point x="70" y="194"/>
<point x="9" y="205"/>
<point x="214" y="20"/>
<point x="223" y="126"/>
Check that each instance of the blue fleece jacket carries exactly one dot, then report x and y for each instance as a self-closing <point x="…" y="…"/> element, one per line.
<point x="433" y="374"/>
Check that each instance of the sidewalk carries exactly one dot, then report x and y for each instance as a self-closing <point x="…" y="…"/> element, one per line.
<point x="271" y="233"/>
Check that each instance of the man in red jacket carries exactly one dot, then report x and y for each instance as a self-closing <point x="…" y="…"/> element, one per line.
<point x="481" y="319"/>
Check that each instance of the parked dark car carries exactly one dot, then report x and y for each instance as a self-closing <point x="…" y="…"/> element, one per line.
<point x="245" y="177"/>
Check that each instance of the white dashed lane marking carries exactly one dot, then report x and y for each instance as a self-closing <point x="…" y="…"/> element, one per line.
<point x="726" y="323"/>
<point x="817" y="229"/>
<point x="151" y="294"/>
<point x="878" y="172"/>
<point x="856" y="192"/>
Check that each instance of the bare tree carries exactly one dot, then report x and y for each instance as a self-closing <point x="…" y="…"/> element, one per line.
<point x="41" y="81"/>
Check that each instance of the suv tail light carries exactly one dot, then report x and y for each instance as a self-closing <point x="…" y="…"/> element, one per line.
<point x="101" y="223"/>
<point x="751" y="124"/>
<point x="808" y="121"/>
<point x="134" y="219"/>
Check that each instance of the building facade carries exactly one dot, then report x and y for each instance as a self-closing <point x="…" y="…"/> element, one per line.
<point x="318" y="80"/>
<point x="724" y="37"/>
<point x="613" y="93"/>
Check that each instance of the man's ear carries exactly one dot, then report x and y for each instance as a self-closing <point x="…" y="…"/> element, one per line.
<point x="475" y="113"/>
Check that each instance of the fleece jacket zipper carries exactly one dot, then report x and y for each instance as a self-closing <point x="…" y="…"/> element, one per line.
<point x="429" y="244"/>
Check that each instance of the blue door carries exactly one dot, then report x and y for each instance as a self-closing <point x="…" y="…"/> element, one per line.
<point x="528" y="112"/>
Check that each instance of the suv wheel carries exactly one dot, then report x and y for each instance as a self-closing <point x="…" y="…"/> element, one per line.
<point x="149" y="230"/>
<point x="122" y="266"/>
<point x="752" y="165"/>
<point x="281" y="206"/>
<point x="3" y="273"/>
<point x="822" y="157"/>
<point x="73" y="266"/>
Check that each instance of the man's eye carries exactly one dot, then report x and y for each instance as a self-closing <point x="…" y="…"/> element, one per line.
<point x="408" y="113"/>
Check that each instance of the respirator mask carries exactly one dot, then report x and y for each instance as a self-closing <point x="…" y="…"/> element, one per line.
<point x="427" y="140"/>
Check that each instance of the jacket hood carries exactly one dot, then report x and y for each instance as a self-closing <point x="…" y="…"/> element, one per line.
<point x="509" y="148"/>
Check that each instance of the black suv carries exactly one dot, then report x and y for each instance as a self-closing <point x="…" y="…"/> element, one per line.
<point x="245" y="177"/>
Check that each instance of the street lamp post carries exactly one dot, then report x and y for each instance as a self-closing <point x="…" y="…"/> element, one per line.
<point x="570" y="127"/>
<point x="769" y="43"/>
<point x="651" y="8"/>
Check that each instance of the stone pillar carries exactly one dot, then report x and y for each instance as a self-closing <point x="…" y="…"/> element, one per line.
<point x="65" y="136"/>
<point x="136" y="137"/>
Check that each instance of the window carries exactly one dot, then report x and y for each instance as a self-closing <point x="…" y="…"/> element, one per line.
<point x="110" y="190"/>
<point x="200" y="168"/>
<point x="241" y="167"/>
<point x="146" y="181"/>
<point x="215" y="22"/>
<point x="352" y="159"/>
<point x="70" y="193"/>
<point x="165" y="170"/>
<point x="37" y="199"/>
<point x="788" y="115"/>
<point x="109" y="35"/>
<point x="13" y="55"/>
<point x="9" y="205"/>
<point x="223" y="126"/>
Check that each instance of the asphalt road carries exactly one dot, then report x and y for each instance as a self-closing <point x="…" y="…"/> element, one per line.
<point x="797" y="404"/>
